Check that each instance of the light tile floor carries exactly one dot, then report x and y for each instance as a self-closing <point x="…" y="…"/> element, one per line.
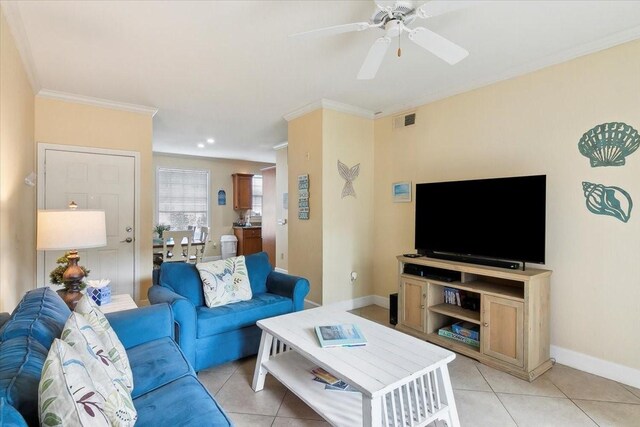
<point x="562" y="397"/>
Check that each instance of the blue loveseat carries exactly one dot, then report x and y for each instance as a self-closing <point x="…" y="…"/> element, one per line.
<point x="212" y="336"/>
<point x="166" y="389"/>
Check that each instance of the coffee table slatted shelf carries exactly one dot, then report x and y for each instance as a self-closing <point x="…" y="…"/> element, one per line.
<point x="402" y="381"/>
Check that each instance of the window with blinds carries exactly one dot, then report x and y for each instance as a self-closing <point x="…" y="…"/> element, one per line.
<point x="256" y="205"/>
<point x="183" y="198"/>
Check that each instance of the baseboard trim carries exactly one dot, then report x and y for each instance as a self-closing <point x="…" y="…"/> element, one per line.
<point x="593" y="365"/>
<point x="281" y="270"/>
<point x="352" y="304"/>
<point x="381" y="301"/>
<point x="310" y="304"/>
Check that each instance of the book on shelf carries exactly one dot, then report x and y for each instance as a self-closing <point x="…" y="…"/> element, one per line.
<point x="324" y="376"/>
<point x="345" y="335"/>
<point x="467" y="329"/>
<point x="330" y="382"/>
<point x="448" y="333"/>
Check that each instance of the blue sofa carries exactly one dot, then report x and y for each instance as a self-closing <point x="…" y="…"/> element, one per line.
<point x="212" y="336"/>
<point x="166" y="389"/>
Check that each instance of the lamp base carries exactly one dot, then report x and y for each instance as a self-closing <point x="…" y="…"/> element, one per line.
<point x="71" y="296"/>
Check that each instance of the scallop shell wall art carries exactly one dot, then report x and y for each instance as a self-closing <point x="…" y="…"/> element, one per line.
<point x="609" y="144"/>
<point x="612" y="201"/>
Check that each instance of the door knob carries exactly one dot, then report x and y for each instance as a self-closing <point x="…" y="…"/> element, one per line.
<point x="127" y="240"/>
<point x="128" y="229"/>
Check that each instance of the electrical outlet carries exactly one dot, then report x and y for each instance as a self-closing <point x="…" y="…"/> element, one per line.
<point x="215" y="245"/>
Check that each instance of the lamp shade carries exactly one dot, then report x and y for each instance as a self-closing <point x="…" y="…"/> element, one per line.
<point x="64" y="229"/>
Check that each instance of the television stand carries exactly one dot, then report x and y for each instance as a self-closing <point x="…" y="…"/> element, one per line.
<point x="511" y="320"/>
<point x="476" y="260"/>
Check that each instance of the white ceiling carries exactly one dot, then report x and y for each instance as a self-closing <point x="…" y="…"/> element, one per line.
<point x="227" y="70"/>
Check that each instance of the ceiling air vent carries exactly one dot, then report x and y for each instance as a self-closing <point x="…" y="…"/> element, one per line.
<point x="404" y="120"/>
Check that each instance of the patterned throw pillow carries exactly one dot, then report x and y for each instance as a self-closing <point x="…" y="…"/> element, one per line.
<point x="116" y="352"/>
<point x="73" y="393"/>
<point x="79" y="334"/>
<point x="224" y="281"/>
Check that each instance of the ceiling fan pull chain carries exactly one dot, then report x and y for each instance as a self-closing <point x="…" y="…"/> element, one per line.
<point x="399" y="50"/>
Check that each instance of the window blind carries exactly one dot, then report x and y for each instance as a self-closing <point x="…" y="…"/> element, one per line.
<point x="183" y="198"/>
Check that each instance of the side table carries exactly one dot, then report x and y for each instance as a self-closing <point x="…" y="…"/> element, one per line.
<point x="119" y="302"/>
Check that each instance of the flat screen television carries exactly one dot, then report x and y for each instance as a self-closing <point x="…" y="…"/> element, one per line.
<point x="498" y="218"/>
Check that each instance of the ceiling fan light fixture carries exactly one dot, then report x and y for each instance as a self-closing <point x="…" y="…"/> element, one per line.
<point x="210" y="140"/>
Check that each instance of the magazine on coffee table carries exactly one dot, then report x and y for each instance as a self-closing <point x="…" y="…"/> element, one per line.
<point x="345" y="335"/>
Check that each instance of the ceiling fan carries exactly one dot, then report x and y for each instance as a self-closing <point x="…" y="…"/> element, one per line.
<point x="393" y="17"/>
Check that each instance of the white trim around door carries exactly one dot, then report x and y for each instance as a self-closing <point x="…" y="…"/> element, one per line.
<point x="42" y="147"/>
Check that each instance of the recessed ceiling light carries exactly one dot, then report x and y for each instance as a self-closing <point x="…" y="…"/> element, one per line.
<point x="200" y="145"/>
<point x="211" y="140"/>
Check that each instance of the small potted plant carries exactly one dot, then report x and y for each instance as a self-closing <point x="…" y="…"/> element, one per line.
<point x="56" y="274"/>
<point x="161" y="228"/>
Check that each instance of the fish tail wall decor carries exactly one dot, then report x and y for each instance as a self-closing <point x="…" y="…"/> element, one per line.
<point x="609" y="144"/>
<point x="349" y="175"/>
<point x="612" y="201"/>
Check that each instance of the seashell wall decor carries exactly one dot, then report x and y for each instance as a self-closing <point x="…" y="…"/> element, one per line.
<point x="609" y="144"/>
<point x="612" y="201"/>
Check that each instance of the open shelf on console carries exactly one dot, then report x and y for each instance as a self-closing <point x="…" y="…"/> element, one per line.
<point x="452" y="344"/>
<point x="504" y="290"/>
<point x="457" y="312"/>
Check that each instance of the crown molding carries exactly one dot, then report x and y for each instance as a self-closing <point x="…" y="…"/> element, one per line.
<point x="96" y="102"/>
<point x="547" y="61"/>
<point x="281" y="145"/>
<point x="16" y="26"/>
<point x="328" y="104"/>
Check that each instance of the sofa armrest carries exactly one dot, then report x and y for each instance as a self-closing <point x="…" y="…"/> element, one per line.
<point x="184" y="315"/>
<point x="143" y="324"/>
<point x="289" y="286"/>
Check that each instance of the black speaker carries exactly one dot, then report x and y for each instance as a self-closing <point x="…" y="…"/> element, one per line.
<point x="393" y="309"/>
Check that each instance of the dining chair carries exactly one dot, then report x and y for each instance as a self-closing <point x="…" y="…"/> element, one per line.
<point x="177" y="253"/>
<point x="199" y="251"/>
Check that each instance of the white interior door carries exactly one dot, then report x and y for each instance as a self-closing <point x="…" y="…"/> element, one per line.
<point x="96" y="181"/>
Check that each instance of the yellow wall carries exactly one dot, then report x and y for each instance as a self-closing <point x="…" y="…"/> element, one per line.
<point x="531" y="125"/>
<point x="17" y="160"/>
<point x="282" y="212"/>
<point x="66" y="123"/>
<point x="220" y="170"/>
<point x="305" y="237"/>
<point x="347" y="238"/>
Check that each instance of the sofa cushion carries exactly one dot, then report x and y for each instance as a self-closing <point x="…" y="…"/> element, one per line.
<point x="224" y="281"/>
<point x="41" y="315"/>
<point x="21" y="361"/>
<point x="259" y="269"/>
<point x="74" y="391"/>
<point x="183" y="279"/>
<point x="193" y="405"/>
<point x="215" y="320"/>
<point x="9" y="417"/>
<point x="156" y="363"/>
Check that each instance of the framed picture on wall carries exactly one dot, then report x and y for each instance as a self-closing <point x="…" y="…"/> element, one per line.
<point x="401" y="191"/>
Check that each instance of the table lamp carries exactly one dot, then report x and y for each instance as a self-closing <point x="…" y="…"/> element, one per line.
<point x="70" y="230"/>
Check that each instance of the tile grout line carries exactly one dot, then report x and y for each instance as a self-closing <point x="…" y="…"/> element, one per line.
<point x="496" y="395"/>
<point x="583" y="411"/>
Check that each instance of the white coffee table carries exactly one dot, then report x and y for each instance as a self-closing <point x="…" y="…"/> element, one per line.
<point x="402" y="381"/>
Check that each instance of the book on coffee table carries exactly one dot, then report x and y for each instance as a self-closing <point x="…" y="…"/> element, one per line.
<point x="345" y="335"/>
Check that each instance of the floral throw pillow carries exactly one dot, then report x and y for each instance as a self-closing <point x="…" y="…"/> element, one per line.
<point x="69" y="396"/>
<point x="224" y="281"/>
<point x="79" y="334"/>
<point x="116" y="352"/>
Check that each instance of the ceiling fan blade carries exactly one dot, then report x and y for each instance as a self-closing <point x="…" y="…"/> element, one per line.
<point x="336" y="29"/>
<point x="438" y="45"/>
<point x="439" y="7"/>
<point x="374" y="58"/>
